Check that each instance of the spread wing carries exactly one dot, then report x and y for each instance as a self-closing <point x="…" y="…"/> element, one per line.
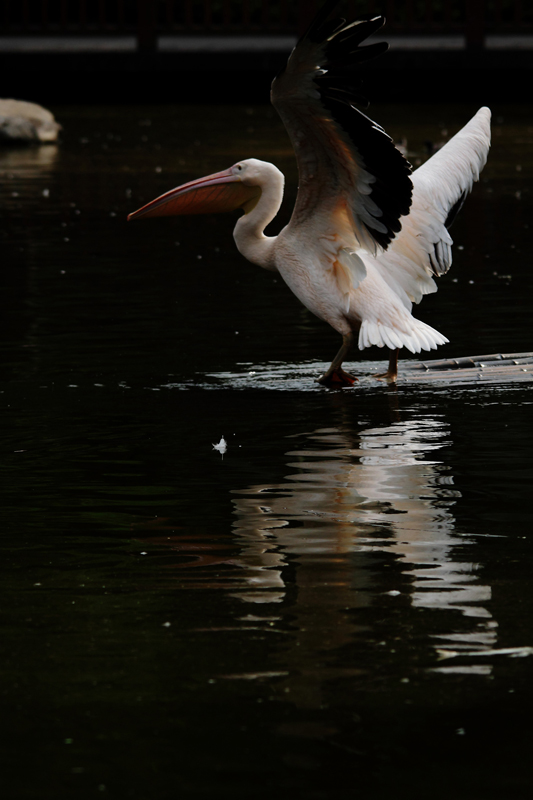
<point x="348" y="165"/>
<point x="422" y="249"/>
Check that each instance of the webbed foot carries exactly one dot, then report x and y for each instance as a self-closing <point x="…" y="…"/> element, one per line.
<point x="336" y="378"/>
<point x="391" y="375"/>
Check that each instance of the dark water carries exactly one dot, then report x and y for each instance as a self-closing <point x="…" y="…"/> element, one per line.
<point x="343" y="597"/>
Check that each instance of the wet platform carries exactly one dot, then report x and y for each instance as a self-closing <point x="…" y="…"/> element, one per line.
<point x="493" y="368"/>
<point x="502" y="369"/>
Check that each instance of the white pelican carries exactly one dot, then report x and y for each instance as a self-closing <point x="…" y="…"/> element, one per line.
<point x="366" y="238"/>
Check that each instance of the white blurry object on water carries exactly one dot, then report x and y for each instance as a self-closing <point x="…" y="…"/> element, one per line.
<point x="222" y="446"/>
<point x="21" y="121"/>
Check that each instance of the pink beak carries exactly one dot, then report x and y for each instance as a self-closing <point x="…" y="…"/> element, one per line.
<point x="222" y="191"/>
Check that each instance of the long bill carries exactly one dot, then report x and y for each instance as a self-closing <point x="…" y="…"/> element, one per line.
<point x="222" y="191"/>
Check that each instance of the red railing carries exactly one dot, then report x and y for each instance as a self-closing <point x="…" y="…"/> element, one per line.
<point x="146" y="19"/>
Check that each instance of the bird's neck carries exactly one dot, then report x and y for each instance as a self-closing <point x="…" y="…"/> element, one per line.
<point x="249" y="231"/>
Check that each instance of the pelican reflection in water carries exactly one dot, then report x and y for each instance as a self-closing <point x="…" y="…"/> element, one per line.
<point x="354" y="504"/>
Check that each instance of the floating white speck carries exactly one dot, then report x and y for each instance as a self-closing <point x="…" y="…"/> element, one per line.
<point x="222" y="446"/>
<point x="393" y="593"/>
<point x="46" y="192"/>
<point x="166" y="624"/>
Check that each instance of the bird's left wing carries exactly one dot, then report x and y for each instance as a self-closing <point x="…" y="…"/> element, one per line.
<point x="348" y="166"/>
<point x="422" y="250"/>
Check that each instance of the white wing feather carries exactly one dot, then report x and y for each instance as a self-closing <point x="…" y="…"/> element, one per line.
<point x="422" y="249"/>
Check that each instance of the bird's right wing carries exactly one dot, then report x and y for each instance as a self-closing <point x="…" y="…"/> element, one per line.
<point x="351" y="175"/>
<point x="422" y="249"/>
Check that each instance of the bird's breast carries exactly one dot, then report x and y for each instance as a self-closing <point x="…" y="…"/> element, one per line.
<point x="316" y="285"/>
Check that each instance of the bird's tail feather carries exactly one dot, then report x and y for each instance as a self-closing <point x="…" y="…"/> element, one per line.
<point x="418" y="337"/>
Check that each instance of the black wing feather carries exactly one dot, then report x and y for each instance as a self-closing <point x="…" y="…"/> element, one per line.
<point x="338" y="83"/>
<point x="339" y="88"/>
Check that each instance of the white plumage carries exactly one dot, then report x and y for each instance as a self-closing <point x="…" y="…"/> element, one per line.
<point x="366" y="238"/>
<point x="422" y="249"/>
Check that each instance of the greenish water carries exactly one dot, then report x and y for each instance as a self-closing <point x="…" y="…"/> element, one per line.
<point x="344" y="595"/>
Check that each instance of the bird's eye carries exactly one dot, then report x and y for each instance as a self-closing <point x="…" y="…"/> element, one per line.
<point x="239" y="167"/>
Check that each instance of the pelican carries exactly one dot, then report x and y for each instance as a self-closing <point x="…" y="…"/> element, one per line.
<point x="367" y="235"/>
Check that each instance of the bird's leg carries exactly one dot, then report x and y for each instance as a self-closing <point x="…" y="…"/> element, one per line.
<point x="392" y="372"/>
<point x="336" y="376"/>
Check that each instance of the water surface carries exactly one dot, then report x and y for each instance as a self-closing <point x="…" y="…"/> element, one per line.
<point x="345" y="592"/>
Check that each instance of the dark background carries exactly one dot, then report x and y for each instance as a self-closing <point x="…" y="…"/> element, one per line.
<point x="117" y="52"/>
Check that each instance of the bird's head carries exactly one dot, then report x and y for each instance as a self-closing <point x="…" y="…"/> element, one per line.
<point x="240" y="186"/>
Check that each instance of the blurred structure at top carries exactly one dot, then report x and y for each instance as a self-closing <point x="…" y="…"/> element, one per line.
<point x="210" y="37"/>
